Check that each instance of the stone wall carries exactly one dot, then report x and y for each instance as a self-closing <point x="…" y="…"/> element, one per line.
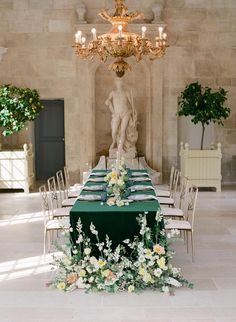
<point x="202" y="36"/>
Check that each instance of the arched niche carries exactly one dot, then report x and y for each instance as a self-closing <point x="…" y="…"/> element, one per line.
<point x="146" y="81"/>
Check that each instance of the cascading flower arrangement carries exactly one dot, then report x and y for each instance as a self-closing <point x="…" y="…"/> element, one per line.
<point x="116" y="184"/>
<point x="133" y="266"/>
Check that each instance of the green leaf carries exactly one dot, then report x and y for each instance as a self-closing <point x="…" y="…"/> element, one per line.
<point x="17" y="106"/>
<point x="203" y="105"/>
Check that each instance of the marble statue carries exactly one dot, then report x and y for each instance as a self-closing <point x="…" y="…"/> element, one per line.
<point x="157" y="9"/>
<point x="81" y="12"/>
<point x="124" y="119"/>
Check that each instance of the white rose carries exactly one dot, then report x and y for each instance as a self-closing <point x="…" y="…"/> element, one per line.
<point x="91" y="279"/>
<point x="93" y="260"/>
<point x="80" y="283"/>
<point x="157" y="272"/>
<point x="87" y="251"/>
<point x="141" y="259"/>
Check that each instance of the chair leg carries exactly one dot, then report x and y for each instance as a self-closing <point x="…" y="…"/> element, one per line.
<point x="192" y="246"/>
<point x="44" y="242"/>
<point x="185" y="236"/>
<point x="187" y="241"/>
<point x="49" y="241"/>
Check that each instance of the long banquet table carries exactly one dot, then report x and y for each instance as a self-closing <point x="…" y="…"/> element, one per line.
<point x="119" y="223"/>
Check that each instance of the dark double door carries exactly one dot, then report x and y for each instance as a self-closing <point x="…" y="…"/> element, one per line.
<point x="49" y="139"/>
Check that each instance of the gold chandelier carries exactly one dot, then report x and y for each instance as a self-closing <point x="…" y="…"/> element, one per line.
<point x="120" y="43"/>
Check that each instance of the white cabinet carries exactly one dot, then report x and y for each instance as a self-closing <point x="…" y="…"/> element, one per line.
<point x="16" y="169"/>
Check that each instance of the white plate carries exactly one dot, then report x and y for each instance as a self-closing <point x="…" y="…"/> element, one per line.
<point x="98" y="174"/>
<point x="140" y="188"/>
<point x="89" y="198"/>
<point x="96" y="180"/>
<point x="138" y="174"/>
<point x="142" y="197"/>
<point x="140" y="179"/>
<point x="93" y="188"/>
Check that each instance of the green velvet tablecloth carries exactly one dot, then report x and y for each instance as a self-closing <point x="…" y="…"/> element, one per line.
<point x="118" y="223"/>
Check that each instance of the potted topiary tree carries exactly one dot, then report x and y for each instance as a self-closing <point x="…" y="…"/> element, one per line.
<point x="17" y="106"/>
<point x="203" y="106"/>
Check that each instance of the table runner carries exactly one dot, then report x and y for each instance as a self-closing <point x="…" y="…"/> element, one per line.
<point x="119" y="223"/>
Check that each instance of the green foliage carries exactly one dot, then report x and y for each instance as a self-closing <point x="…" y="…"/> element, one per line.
<point x="17" y="106"/>
<point x="203" y="105"/>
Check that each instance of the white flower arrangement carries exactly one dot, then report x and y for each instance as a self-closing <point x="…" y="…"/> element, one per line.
<point x="134" y="265"/>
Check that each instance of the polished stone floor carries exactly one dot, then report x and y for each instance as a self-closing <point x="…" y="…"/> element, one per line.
<point x="24" y="272"/>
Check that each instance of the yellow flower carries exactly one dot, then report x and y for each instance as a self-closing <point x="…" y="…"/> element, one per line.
<point x="148" y="253"/>
<point x="162" y="262"/>
<point x="159" y="249"/>
<point x="147" y="278"/>
<point x="131" y="288"/>
<point x="142" y="271"/>
<point x="106" y="273"/>
<point x="61" y="286"/>
<point x="82" y="273"/>
<point x="113" y="175"/>
<point x="101" y="263"/>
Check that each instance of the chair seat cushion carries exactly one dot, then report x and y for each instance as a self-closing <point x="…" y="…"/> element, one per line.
<point x="162" y="193"/>
<point x="178" y="224"/>
<point x="172" y="212"/>
<point x="57" y="224"/>
<point x="73" y="193"/>
<point x="68" y="202"/>
<point x="165" y="201"/>
<point x="62" y="212"/>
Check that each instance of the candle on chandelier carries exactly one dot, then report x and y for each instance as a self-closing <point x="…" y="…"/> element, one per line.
<point x="78" y="36"/>
<point x="83" y="40"/>
<point x="160" y="29"/>
<point x="164" y="36"/>
<point x="120" y="31"/>
<point x="144" y="29"/>
<point x="94" y="34"/>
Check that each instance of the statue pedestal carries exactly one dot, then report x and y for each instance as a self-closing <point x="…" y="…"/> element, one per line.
<point x="130" y="154"/>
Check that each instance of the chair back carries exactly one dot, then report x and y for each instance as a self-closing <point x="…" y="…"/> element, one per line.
<point x="184" y="185"/>
<point x="47" y="215"/>
<point x="67" y="178"/>
<point x="172" y="171"/>
<point x="192" y="201"/>
<point x="53" y="195"/>
<point x="175" y="183"/>
<point x="61" y="186"/>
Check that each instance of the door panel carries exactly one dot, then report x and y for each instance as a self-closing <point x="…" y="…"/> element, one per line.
<point x="49" y="139"/>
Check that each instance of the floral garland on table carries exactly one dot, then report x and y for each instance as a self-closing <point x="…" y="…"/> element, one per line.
<point x="134" y="265"/>
<point x="116" y="185"/>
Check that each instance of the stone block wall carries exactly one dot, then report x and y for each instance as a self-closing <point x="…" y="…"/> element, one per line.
<point x="202" y="36"/>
